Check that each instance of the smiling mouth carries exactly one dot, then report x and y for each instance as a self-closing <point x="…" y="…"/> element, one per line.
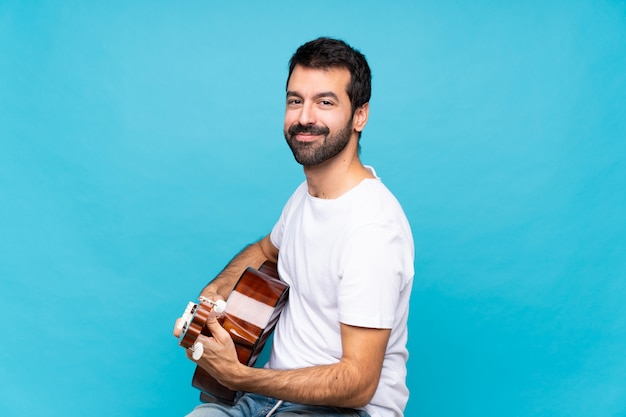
<point x="306" y="137"/>
<point x="308" y="132"/>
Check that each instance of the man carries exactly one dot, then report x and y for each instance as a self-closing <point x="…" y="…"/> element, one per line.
<point x="344" y="246"/>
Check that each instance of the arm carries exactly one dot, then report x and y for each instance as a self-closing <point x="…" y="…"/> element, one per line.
<point x="351" y="382"/>
<point x="252" y="255"/>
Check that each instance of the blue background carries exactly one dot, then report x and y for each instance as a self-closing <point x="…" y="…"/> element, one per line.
<point x="141" y="147"/>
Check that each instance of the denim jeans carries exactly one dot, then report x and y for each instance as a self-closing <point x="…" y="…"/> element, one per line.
<point x="253" y="405"/>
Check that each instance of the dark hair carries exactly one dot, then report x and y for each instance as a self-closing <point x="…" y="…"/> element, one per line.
<point x="325" y="53"/>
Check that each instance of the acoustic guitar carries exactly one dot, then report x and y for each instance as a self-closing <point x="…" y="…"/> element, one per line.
<point x="249" y="315"/>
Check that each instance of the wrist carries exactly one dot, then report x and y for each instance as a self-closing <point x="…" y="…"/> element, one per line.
<point x="236" y="379"/>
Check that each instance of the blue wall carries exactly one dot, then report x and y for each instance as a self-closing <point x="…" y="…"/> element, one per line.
<point x="141" y="147"/>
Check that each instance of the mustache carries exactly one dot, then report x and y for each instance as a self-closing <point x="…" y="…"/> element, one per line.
<point x="310" y="129"/>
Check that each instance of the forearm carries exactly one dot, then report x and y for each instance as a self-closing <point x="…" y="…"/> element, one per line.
<point x="252" y="255"/>
<point x="351" y="382"/>
<point x="339" y="385"/>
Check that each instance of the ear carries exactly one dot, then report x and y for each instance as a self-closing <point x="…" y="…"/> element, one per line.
<point x="359" y="120"/>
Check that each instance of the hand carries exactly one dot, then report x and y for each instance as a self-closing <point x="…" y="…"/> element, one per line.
<point x="219" y="358"/>
<point x="211" y="295"/>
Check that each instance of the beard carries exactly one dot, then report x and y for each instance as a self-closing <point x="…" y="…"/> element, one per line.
<point x="317" y="152"/>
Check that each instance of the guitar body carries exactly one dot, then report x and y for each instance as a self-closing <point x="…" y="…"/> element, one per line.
<point x="251" y="313"/>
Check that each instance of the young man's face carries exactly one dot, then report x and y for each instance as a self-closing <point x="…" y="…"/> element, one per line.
<point x="318" y="116"/>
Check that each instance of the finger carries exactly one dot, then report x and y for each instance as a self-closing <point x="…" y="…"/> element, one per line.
<point x="216" y="301"/>
<point x="217" y="331"/>
<point x="177" y="329"/>
<point x="211" y="296"/>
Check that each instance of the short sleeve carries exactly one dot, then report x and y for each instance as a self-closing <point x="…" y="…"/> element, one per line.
<point x="375" y="268"/>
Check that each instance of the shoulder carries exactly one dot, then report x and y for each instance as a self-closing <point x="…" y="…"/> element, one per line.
<point x="298" y="195"/>
<point x="375" y="200"/>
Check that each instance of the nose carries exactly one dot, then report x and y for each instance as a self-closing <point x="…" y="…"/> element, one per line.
<point x="307" y="115"/>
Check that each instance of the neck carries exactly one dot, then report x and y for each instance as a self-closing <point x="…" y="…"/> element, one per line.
<point x="338" y="175"/>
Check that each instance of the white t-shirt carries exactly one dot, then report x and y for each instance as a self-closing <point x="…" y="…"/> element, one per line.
<point x="347" y="260"/>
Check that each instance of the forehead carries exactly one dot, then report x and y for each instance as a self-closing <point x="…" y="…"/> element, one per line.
<point x="304" y="80"/>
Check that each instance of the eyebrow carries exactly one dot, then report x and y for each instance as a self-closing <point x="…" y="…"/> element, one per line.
<point x="317" y="96"/>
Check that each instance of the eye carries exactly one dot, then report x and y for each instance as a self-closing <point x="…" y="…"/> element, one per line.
<point x="293" y="101"/>
<point x="326" y="103"/>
